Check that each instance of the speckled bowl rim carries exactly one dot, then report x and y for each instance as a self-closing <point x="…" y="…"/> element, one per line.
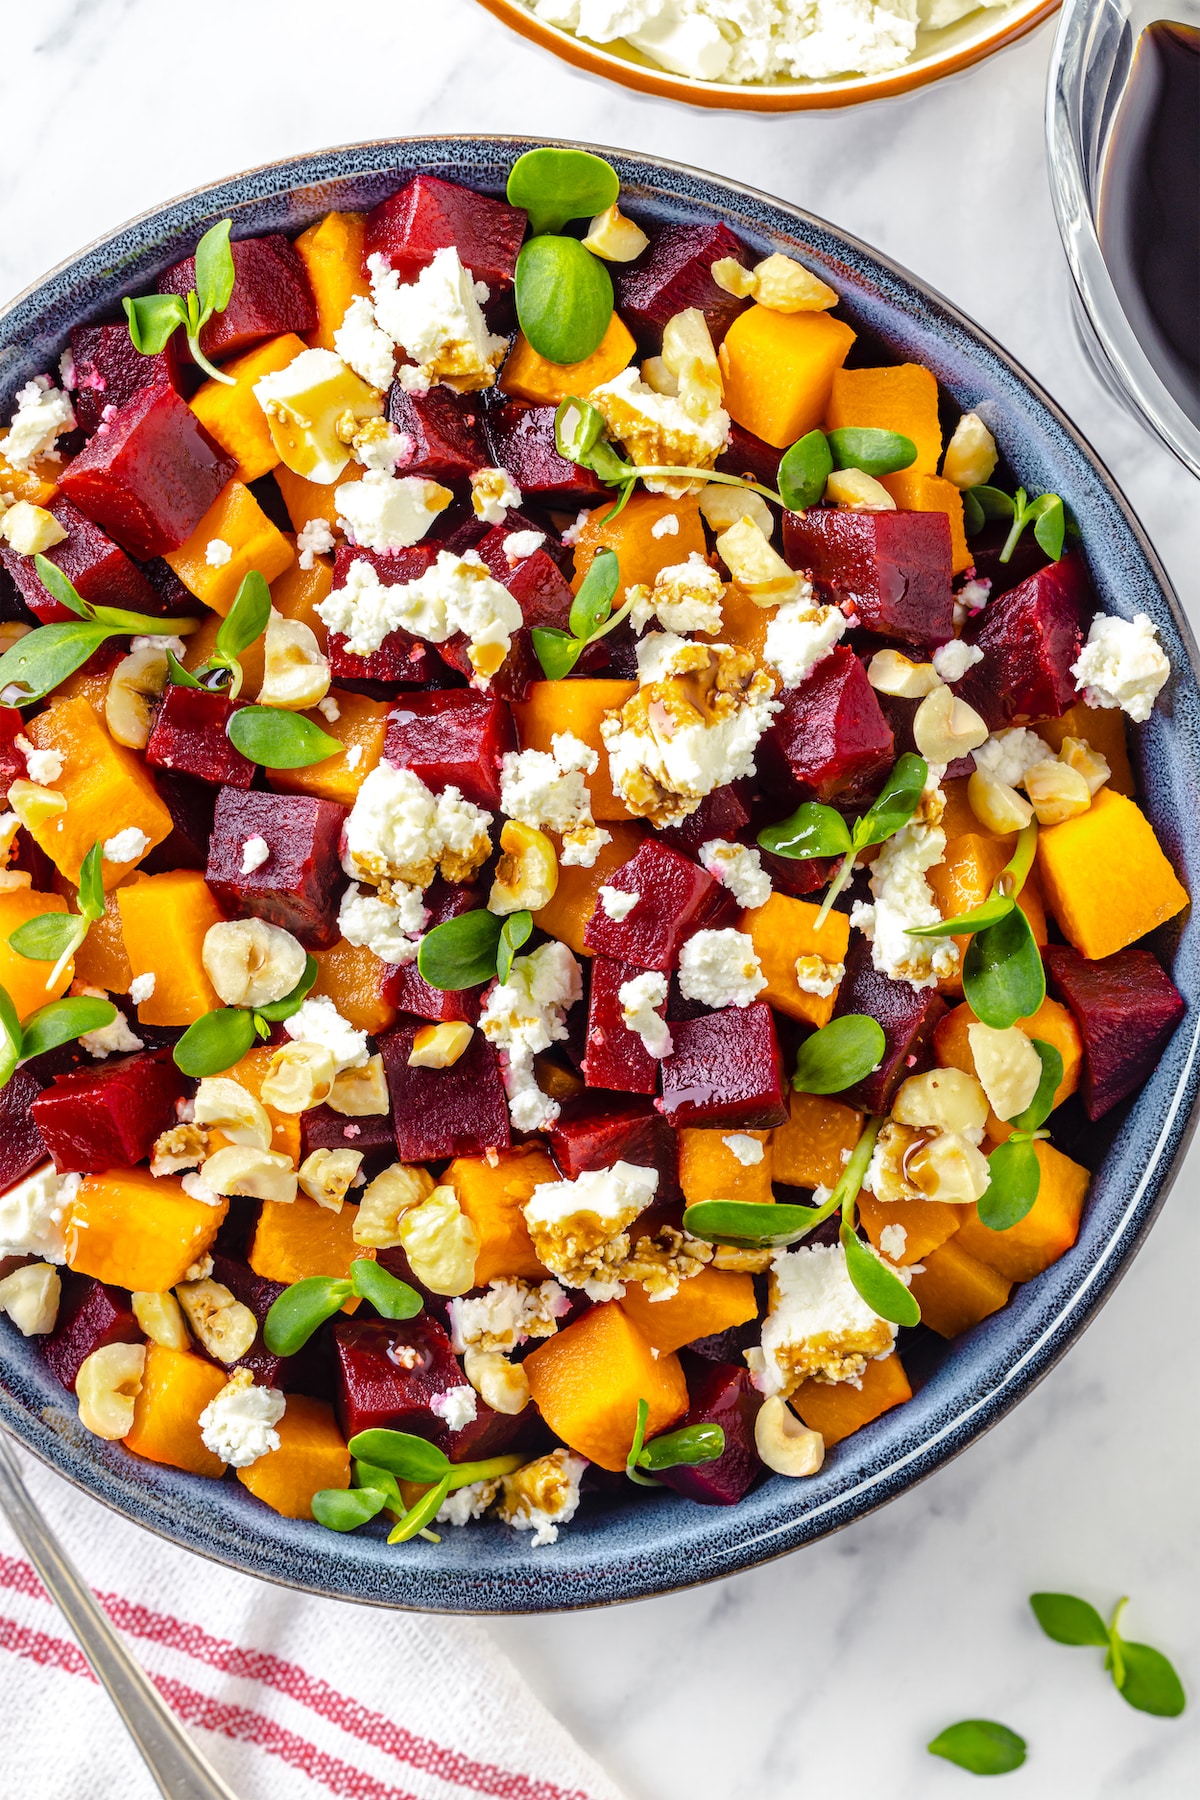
<point x="774" y="97"/>
<point x="648" y="1544"/>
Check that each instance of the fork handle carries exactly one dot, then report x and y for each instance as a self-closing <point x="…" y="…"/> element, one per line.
<point x="178" y="1767"/>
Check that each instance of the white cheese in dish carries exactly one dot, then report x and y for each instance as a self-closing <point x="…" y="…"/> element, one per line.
<point x="389" y="512"/>
<point x="318" y="1021"/>
<point x="456" y="1407"/>
<point x="720" y="968"/>
<point x="42" y="415"/>
<point x="456" y="594"/>
<point x="657" y="429"/>
<point x="493" y="494"/>
<point x="217" y="553"/>
<point x="398" y="831"/>
<point x="525" y="1015"/>
<point x="952" y="660"/>
<point x="547" y="790"/>
<point x="1122" y="664"/>
<point x="391" y="928"/>
<point x="255" y="852"/>
<point x="1010" y="754"/>
<point x="509" y="1314"/>
<point x="618" y="903"/>
<point x="238" y="1424"/>
<point x="800" y="636"/>
<point x="126" y="846"/>
<point x="542" y="1496"/>
<point x="438" y="321"/>
<point x="739" y="868"/>
<point x="142" y="986"/>
<point x="903" y="898"/>
<point x="42" y="766"/>
<point x="818" y="1323"/>
<point x="110" y="1040"/>
<point x="685" y="597"/>
<point x="745" y="1149"/>
<point x="359" y="342"/>
<point x="641" y="998"/>
<point x="31" y="1215"/>
<point x="520" y="544"/>
<point x="579" y="1227"/>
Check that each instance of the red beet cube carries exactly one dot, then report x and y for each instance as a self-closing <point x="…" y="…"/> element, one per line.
<point x="372" y="1136"/>
<point x="831" y="737"/>
<point x="453" y="737"/>
<point x="1126" y="1007"/>
<point x="459" y="1111"/>
<point x="191" y="805"/>
<point x="890" y="569"/>
<point x="536" y="582"/>
<point x="90" y="1316"/>
<point x="726" y="1069"/>
<point x="616" y="1057"/>
<point x="721" y="814"/>
<point x="431" y="215"/>
<point x="171" y="599"/>
<point x="12" y="760"/>
<point x="189" y="735"/>
<point x="270" y="295"/>
<point x="108" y="1116"/>
<point x="1029" y="638"/>
<point x="676" y="898"/>
<point x="724" y="1395"/>
<point x="389" y="1372"/>
<point x="750" y="456"/>
<point x="150" y="474"/>
<point x="597" y="1132"/>
<point x="400" y="659"/>
<point x="87" y="556"/>
<point x="675" y="273"/>
<point x="301" y="883"/>
<point x="522" y="441"/>
<point x="21" y="1147"/>
<point x="798" y="878"/>
<point x="109" y="371"/>
<point x="446" y="430"/>
<point x="907" y="1015"/>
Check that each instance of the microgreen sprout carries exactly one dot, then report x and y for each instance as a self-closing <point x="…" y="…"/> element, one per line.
<point x="749" y="1225"/>
<point x="1003" y="977"/>
<point x="385" y="1458"/>
<point x="564" y="294"/>
<point x="304" y="1306"/>
<point x="684" y="1448"/>
<point x="1142" y="1676"/>
<point x="591" y="617"/>
<point x="58" y="1023"/>
<point x="38" y="662"/>
<point x="468" y="950"/>
<point x="1046" y="513"/>
<point x="980" y="1746"/>
<point x="242" y="626"/>
<point x="221" y="1038"/>
<point x="876" y="1283"/>
<point x="155" y="318"/>
<point x="555" y="186"/>
<point x="839" y="1054"/>
<point x="276" y="739"/>
<point x="815" y="830"/>
<point x="54" y="936"/>
<point x="1015" y="1175"/>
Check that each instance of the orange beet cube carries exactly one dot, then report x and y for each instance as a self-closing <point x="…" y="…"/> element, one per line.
<point x="964" y="879"/>
<point x="353" y="978"/>
<point x="836" y="1409"/>
<point x="812" y="1149"/>
<point x="709" y="1170"/>
<point x="901" y="397"/>
<point x="1103" y="727"/>
<point x="38" y="483"/>
<point x="233" y="416"/>
<point x="566" y="914"/>
<point x="744" y="623"/>
<point x="779" y="370"/>
<point x="927" y="1224"/>
<point x="106" y="787"/>
<point x="528" y="376"/>
<point x="587" y="1380"/>
<point x="137" y="1231"/>
<point x="26" y="981"/>
<point x="361" y="726"/>
<point x="492" y="1198"/>
<point x="102" y="960"/>
<point x="297" y="1239"/>
<point x="1048" y="1229"/>
<point x="955" y="1291"/>
<point x="164" y="919"/>
<point x="307" y="500"/>
<point x="332" y="254"/>
<point x="784" y="930"/>
<point x="1106" y="879"/>
<point x="631" y="534"/>
<point x="712" y="1301"/>
<point x="578" y="707"/>
<point x="312" y="1455"/>
<point x="176" y="1388"/>
<point x="236" y="519"/>
<point x="296" y="594"/>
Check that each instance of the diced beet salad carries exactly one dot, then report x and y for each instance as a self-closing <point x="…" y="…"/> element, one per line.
<point x="567" y="836"/>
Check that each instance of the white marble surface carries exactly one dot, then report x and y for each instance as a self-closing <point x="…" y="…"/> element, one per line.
<point x="824" y="1673"/>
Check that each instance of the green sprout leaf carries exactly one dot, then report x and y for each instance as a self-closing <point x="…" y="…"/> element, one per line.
<point x="1069" y="1620"/>
<point x="44" y="658"/>
<point x="556" y="650"/>
<point x="883" y="1291"/>
<point x="564" y="298"/>
<point x="462" y="952"/>
<point x="214" y="270"/>
<point x="178" y="676"/>
<point x="973" y="519"/>
<point x="804" y="470"/>
<point x="1003" y="977"/>
<point x="578" y="430"/>
<point x="514" y="932"/>
<point x="242" y="626"/>
<point x="1143" y="1676"/>
<point x="965" y="924"/>
<point x="1150" y="1682"/>
<point x="154" y="319"/>
<point x="279" y="740"/>
<point x="1014" y="1182"/>
<point x="749" y="1225"/>
<point x="839" y="1054"/>
<point x="980" y="1746"/>
<point x="1046" y="514"/>
<point x="554" y="186"/>
<point x="635" y="1448"/>
<point x="63" y="1021"/>
<point x="60" y="588"/>
<point x="10" y="1037"/>
<point x="55" y="937"/>
<point x="898" y="801"/>
<point x="215" y="1042"/>
<point x="406" y="1457"/>
<point x="302" y="1309"/>
<point x="274" y="1011"/>
<point x="592" y="606"/>
<point x="414" y="1522"/>
<point x="391" y="1297"/>
<point x="344" y="1509"/>
<point x="992" y="502"/>
<point x="685" y="1448"/>
<point x="1042" y="1104"/>
<point x="1050" y="527"/>
<point x="875" y="452"/>
<point x="812" y="830"/>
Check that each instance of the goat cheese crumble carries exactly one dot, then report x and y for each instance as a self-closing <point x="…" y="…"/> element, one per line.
<point x="314" y="538"/>
<point x="42" y="766"/>
<point x="456" y="594"/>
<point x="818" y="1323"/>
<point x="126" y="846"/>
<point x="720" y="968"/>
<point x="1122" y="664"/>
<point x="579" y="1227"/>
<point x="388" y="512"/>
<point x="746" y="1149"/>
<point x="217" y="553"/>
<point x="31" y="1215"/>
<point x="390" y="927"/>
<point x="437" y="320"/>
<point x="142" y="986"/>
<point x="318" y="1021"/>
<point x="361" y="344"/>
<point x="738" y="868"/>
<point x="456" y="1407"/>
<point x="493" y="495"/>
<point x="42" y="415"/>
<point x="952" y="660"/>
<point x="542" y="1496"/>
<point x="685" y="597"/>
<point x="658" y="428"/>
<point x="1009" y="755"/>
<point x="238" y="1424"/>
<point x="800" y="636"/>
<point x="520" y="544"/>
<point x="108" y="1040"/>
<point x="398" y="831"/>
<point x="525" y="1015"/>
<point x="617" y="903"/>
<point x="642" y="998"/>
<point x="547" y="790"/>
<point x="255" y="852"/>
<point x="509" y="1314"/>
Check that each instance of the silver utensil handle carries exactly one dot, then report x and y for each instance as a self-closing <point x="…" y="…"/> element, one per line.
<point x="174" y="1761"/>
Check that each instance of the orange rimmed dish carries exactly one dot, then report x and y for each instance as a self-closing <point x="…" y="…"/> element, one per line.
<point x="937" y="54"/>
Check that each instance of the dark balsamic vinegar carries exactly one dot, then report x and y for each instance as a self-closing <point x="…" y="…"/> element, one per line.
<point x="1150" y="205"/>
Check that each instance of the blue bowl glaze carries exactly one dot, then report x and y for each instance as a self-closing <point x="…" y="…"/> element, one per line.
<point x="624" y="1547"/>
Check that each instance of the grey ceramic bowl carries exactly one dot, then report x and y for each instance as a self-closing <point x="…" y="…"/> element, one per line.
<point x="631" y="1544"/>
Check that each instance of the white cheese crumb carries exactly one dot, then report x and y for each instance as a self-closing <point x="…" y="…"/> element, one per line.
<point x="390" y="928"/>
<point x="893" y="1241"/>
<point x="618" y="903"/>
<point x="815" y="975"/>
<point x="42" y="766"/>
<point x="456" y="1407"/>
<point x="542" y="1496"/>
<point x="126" y="846"/>
<point x="685" y="597"/>
<point x="747" y="1150"/>
<point x="314" y="538"/>
<point x="640" y="998"/>
<point x="398" y="831"/>
<point x="571" y="1222"/>
<point x="31" y="1215"/>
<point x="109" y="1040"/>
<point x="360" y="343"/>
<point x="329" y="709"/>
<point x="437" y="320"/>
<point x="952" y="660"/>
<point x="667" y="526"/>
<point x="389" y="512"/>
<point x="1009" y="755"/>
<point x="42" y="415"/>
<point x="660" y="428"/>
<point x="494" y="493"/>
<point x="572" y="534"/>
<point x="800" y="636"/>
<point x="238" y="1423"/>
<point x="458" y="593"/>
<point x="1122" y="664"/>
<point x="255" y="852"/>
<point x="197" y="1189"/>
<point x="520" y="544"/>
<point x="720" y="968"/>
<point x="218" y="553"/>
<point x="903" y="899"/>
<point x="524" y="1016"/>
<point x="318" y="1021"/>
<point x="739" y="869"/>
<point x="509" y="1314"/>
<point x="818" y="1322"/>
<point x="547" y="789"/>
<point x="467" y="1503"/>
<point x="142" y="987"/>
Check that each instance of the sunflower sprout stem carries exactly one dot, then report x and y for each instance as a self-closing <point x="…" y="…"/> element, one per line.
<point x="839" y="882"/>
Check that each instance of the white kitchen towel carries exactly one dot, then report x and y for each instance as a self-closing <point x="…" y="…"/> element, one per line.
<point x="291" y="1697"/>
